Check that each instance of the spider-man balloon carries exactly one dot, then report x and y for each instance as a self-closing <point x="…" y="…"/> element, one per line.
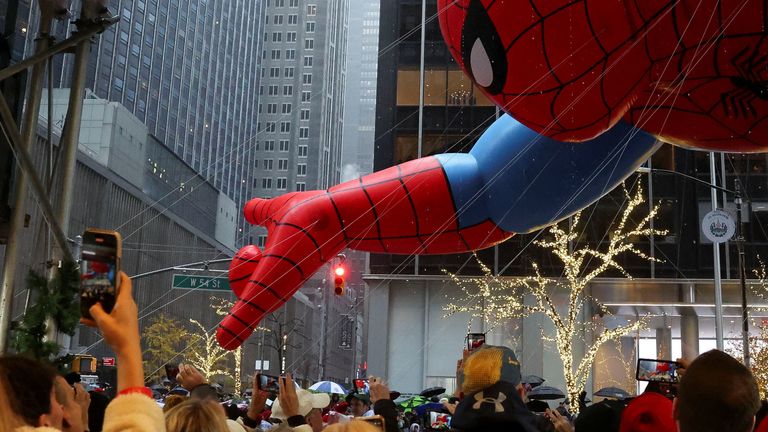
<point x="691" y="72"/>
<point x="612" y="73"/>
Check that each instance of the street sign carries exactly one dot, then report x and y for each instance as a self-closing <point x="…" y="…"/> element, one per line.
<point x="108" y="361"/>
<point x="211" y="283"/>
<point x="718" y="226"/>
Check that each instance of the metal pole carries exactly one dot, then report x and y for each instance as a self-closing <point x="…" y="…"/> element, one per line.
<point x="742" y="274"/>
<point x="324" y="327"/>
<point x="716" y="263"/>
<point x="725" y="205"/>
<point x="419" y="144"/>
<point x="651" y="222"/>
<point x="23" y="144"/>
<point x="70" y="137"/>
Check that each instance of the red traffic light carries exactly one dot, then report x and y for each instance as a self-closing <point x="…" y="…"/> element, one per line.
<point x="338" y="279"/>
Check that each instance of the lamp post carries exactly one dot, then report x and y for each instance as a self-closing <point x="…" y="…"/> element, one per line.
<point x="742" y="262"/>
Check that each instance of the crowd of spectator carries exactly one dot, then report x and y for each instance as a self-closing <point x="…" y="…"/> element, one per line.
<point x="715" y="393"/>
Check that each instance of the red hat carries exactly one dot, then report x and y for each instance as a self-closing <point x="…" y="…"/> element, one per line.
<point x="763" y="427"/>
<point x="649" y="412"/>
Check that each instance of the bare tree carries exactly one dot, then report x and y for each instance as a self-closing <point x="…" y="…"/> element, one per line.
<point x="279" y="338"/>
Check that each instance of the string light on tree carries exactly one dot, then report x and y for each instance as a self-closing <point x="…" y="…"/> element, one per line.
<point x="496" y="299"/>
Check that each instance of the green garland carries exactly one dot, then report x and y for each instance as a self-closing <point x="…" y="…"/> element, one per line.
<point x="58" y="300"/>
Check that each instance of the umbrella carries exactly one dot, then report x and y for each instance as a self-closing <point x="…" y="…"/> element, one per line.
<point x="409" y="404"/>
<point x="546" y="393"/>
<point x="179" y="390"/>
<point x="328" y="387"/>
<point x="432" y="406"/>
<point x="613" y="393"/>
<point x="532" y="380"/>
<point x="432" y="391"/>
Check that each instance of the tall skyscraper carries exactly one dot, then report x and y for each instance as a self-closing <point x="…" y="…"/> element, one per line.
<point x="301" y="105"/>
<point x="188" y="70"/>
<point x="360" y="103"/>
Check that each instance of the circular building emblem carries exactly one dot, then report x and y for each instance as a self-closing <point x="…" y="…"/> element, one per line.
<point x="718" y="226"/>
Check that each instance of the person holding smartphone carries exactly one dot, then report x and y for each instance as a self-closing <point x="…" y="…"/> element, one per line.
<point x="300" y="409"/>
<point x="133" y="409"/>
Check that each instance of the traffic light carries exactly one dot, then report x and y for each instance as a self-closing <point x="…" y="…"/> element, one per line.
<point x="338" y="279"/>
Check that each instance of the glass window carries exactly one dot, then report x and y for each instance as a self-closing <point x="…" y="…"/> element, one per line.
<point x="307" y="61"/>
<point x="301" y="169"/>
<point x="301" y="187"/>
<point x="282" y="183"/>
<point x="282" y="164"/>
<point x="309" y="44"/>
<point x="311" y="10"/>
<point x="293" y="19"/>
<point x="303" y="150"/>
<point x="284" y="145"/>
<point x="303" y="133"/>
<point x="287" y="107"/>
<point x="310" y="27"/>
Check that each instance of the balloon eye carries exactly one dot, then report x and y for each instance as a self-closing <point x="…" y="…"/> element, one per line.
<point x="481" y="49"/>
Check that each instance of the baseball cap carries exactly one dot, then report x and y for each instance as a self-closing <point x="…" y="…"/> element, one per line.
<point x="362" y="397"/>
<point x="649" y="412"/>
<point x="307" y="402"/>
<point x="494" y="408"/>
<point x="489" y="365"/>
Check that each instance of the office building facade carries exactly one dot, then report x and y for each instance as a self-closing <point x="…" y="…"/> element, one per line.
<point x="188" y="70"/>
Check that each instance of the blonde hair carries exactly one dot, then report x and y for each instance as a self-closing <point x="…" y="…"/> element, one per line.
<point x="172" y="401"/>
<point x="352" y="426"/>
<point x="482" y="369"/>
<point x="196" y="416"/>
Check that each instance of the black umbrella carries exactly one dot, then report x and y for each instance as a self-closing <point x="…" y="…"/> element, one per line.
<point x="613" y="393"/>
<point x="546" y="393"/>
<point x="179" y="390"/>
<point x="532" y="380"/>
<point x="432" y="391"/>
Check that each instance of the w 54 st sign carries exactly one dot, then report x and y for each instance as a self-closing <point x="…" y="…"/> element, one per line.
<point x="211" y="283"/>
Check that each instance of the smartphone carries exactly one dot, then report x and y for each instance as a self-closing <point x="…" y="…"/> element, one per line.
<point x="377" y="421"/>
<point x="475" y="341"/>
<point x="268" y="383"/>
<point x="664" y="371"/>
<point x="99" y="270"/>
<point x="171" y="371"/>
<point x="360" y="385"/>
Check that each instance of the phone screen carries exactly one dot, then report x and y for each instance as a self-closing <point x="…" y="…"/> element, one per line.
<point x="361" y="384"/>
<point x="657" y="370"/>
<point x="171" y="371"/>
<point x="98" y="270"/>
<point x="439" y="420"/>
<point x="475" y="341"/>
<point x="268" y="383"/>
